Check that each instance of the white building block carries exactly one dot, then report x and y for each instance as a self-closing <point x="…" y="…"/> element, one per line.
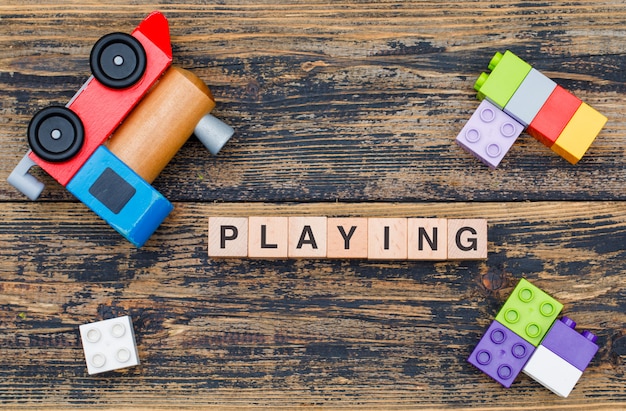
<point x="551" y="371"/>
<point x="109" y="345"/>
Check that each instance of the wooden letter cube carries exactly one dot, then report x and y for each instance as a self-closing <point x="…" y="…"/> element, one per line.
<point x="228" y="237"/>
<point x="347" y="237"/>
<point x="268" y="237"/>
<point x="467" y="239"/>
<point x="307" y="237"/>
<point x="387" y="238"/>
<point x="427" y="239"/>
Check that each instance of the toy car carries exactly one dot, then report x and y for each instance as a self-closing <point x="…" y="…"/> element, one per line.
<point x="121" y="128"/>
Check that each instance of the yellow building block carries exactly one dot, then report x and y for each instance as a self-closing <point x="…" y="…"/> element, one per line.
<point x="579" y="133"/>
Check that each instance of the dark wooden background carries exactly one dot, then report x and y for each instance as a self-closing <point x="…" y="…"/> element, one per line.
<point x="340" y="108"/>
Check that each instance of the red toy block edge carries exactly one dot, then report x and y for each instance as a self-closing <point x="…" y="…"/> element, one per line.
<point x="156" y="28"/>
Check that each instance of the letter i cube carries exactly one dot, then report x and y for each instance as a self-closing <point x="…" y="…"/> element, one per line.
<point x="109" y="345"/>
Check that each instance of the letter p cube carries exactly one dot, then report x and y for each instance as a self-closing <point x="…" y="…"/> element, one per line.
<point x="228" y="237"/>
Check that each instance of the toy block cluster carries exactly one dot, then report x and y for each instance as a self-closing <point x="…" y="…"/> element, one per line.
<point x="121" y="128"/>
<point x="516" y="97"/>
<point x="347" y="237"/>
<point x="526" y="337"/>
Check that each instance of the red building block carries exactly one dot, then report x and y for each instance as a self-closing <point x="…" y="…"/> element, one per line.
<point x="102" y="109"/>
<point x="554" y="116"/>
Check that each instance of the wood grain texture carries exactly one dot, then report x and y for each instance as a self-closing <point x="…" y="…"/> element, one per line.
<point x="340" y="109"/>
<point x="342" y="101"/>
<point x="286" y="333"/>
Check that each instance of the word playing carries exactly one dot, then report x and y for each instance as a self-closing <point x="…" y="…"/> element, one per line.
<point x="348" y="237"/>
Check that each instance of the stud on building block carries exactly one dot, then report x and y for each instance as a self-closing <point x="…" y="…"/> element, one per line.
<point x="268" y="237"/>
<point x="427" y="239"/>
<point x="552" y="371"/>
<point x="228" y="237"/>
<point x="553" y="116"/>
<point x="501" y="354"/>
<point x="489" y="134"/>
<point x="109" y="345"/>
<point x="307" y="237"/>
<point x="507" y="73"/>
<point x="563" y="340"/>
<point x="347" y="237"/>
<point x="387" y="239"/>
<point x="120" y="197"/>
<point x="529" y="312"/>
<point x="579" y="133"/>
<point x="529" y="97"/>
<point x="467" y="239"/>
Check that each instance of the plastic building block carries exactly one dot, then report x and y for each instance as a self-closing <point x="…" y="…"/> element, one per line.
<point x="529" y="97"/>
<point x="387" y="238"/>
<point x="228" y="236"/>
<point x="101" y="108"/>
<point x="528" y="316"/>
<point x="109" y="345"/>
<point x="501" y="354"/>
<point x="120" y="197"/>
<point x="577" y="349"/>
<point x="529" y="312"/>
<point x="467" y="239"/>
<point x="554" y="116"/>
<point x="427" y="239"/>
<point x="347" y="237"/>
<point x="507" y="73"/>
<point x="307" y="237"/>
<point x="140" y="108"/>
<point x="552" y="371"/>
<point x="489" y="134"/>
<point x="535" y="102"/>
<point x="579" y="133"/>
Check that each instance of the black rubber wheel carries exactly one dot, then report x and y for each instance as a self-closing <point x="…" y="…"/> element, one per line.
<point x="118" y="60"/>
<point x="56" y="134"/>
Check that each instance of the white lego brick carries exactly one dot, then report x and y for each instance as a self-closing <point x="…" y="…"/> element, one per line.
<point x="551" y="371"/>
<point x="109" y="345"/>
<point x="529" y="97"/>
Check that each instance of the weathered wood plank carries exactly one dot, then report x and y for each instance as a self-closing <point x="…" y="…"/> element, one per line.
<point x="332" y="101"/>
<point x="292" y="333"/>
<point x="349" y="102"/>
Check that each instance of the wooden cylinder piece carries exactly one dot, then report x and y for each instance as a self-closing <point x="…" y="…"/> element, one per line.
<point x="161" y="123"/>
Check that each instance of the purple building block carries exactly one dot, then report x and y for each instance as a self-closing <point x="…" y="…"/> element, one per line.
<point x="489" y="134"/>
<point x="563" y="340"/>
<point x="501" y="354"/>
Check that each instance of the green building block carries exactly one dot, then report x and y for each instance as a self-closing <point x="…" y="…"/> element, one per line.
<point x="507" y="73"/>
<point x="529" y="312"/>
